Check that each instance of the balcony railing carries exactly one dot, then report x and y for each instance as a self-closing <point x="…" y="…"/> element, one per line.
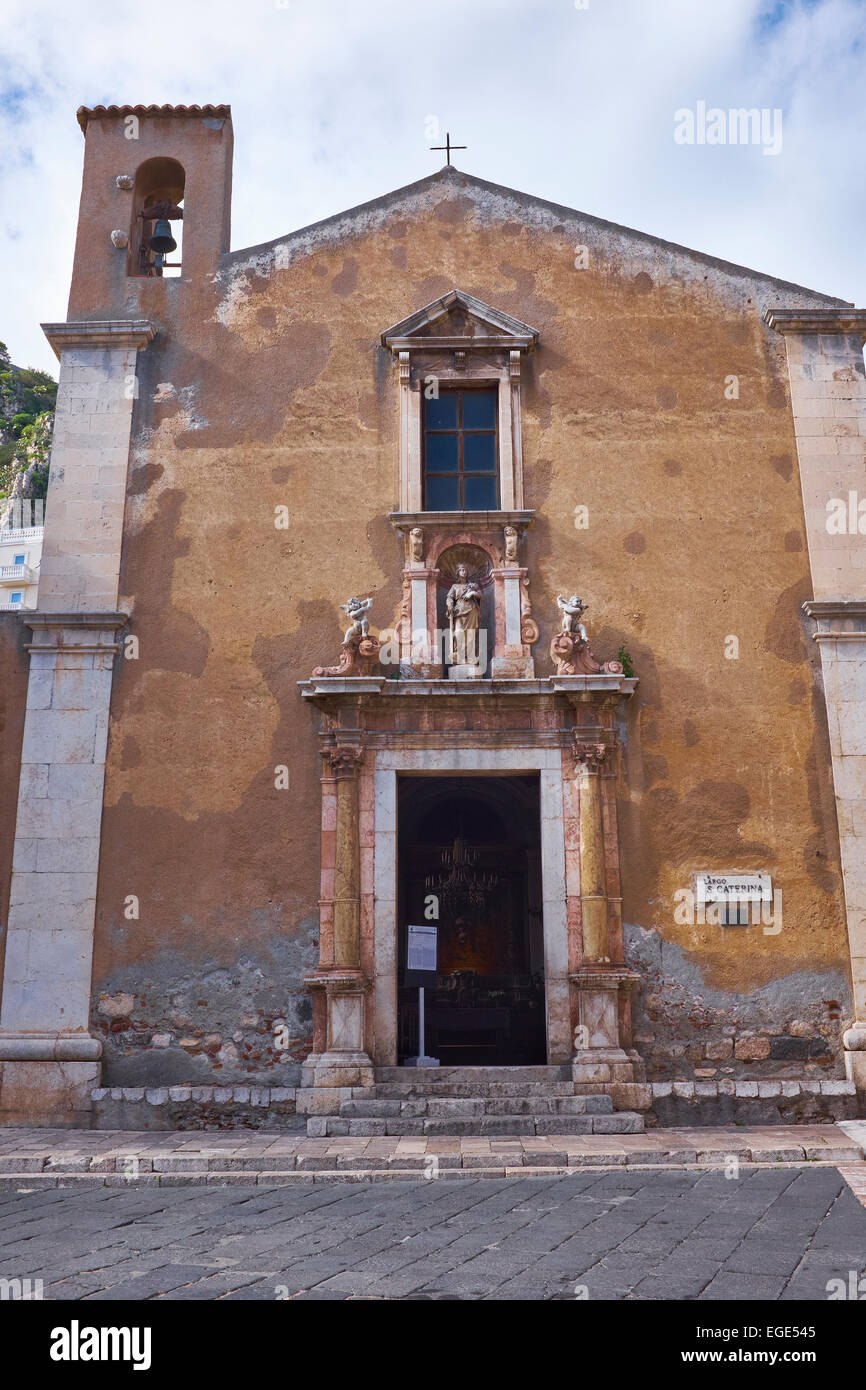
<point x="18" y="535"/>
<point x="12" y="575"/>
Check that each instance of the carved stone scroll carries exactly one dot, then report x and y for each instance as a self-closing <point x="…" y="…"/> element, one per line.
<point x="572" y="656"/>
<point x="358" y="657"/>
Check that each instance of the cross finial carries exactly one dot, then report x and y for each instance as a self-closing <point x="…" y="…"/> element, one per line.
<point x="448" y="147"/>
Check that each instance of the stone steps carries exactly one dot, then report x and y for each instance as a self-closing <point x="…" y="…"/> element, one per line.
<point x="387" y="1090"/>
<point x="477" y="1076"/>
<point x="40" y="1158"/>
<point x="328" y="1126"/>
<point x="471" y="1101"/>
<point x="462" y="1108"/>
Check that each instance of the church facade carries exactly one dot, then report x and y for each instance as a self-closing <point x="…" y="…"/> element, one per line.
<point x="464" y="561"/>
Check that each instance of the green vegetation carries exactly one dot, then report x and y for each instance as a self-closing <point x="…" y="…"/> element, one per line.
<point x="623" y="657"/>
<point x="27" y="400"/>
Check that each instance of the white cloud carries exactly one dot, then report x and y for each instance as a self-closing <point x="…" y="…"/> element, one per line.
<point x="329" y="103"/>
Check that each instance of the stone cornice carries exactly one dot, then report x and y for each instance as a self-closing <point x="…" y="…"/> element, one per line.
<point x="838" y="619"/>
<point x="77" y="619"/>
<point x="818" y="321"/>
<point x="835" y="608"/>
<point x="458" y="343"/>
<point x="99" y="333"/>
<point x="461" y="521"/>
<point x="79" y="634"/>
<point x="580" y="689"/>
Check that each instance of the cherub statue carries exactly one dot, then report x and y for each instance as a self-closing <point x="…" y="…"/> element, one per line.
<point x="357" y="609"/>
<point x="572" y="610"/>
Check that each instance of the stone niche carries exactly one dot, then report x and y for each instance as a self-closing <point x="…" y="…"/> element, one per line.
<point x="487" y="544"/>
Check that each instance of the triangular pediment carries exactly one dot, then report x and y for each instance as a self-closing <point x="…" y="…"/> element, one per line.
<point x="480" y="197"/>
<point x="460" y="315"/>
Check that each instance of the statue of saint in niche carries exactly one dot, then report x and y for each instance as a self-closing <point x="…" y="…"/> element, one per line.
<point x="463" y="607"/>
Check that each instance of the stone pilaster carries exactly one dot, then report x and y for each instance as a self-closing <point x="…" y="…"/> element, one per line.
<point x="828" y="402"/>
<point x="339" y="986"/>
<point x="512" y="659"/>
<point x="841" y="635"/>
<point x="601" y="982"/>
<point x="89" y="460"/>
<point x="48" y="1060"/>
<point x="421" y="651"/>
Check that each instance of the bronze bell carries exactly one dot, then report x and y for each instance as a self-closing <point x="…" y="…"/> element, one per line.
<point x="162" y="239"/>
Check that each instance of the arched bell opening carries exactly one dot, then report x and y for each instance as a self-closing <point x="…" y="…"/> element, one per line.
<point x="156" y="235"/>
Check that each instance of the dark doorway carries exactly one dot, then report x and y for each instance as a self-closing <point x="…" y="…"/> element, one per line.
<point x="474" y="844"/>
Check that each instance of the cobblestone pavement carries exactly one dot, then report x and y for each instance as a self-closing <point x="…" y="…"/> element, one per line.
<point x="771" y="1233"/>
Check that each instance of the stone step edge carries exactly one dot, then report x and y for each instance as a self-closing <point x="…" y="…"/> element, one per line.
<point x="275" y="1095"/>
<point x="688" y="1090"/>
<point x="284" y="1177"/>
<point x="624" y="1149"/>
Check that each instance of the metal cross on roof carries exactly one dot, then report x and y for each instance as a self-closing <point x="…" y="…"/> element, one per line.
<point x="448" y="147"/>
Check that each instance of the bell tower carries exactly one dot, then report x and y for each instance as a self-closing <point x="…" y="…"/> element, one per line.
<point x="147" y="170"/>
<point x="172" y="161"/>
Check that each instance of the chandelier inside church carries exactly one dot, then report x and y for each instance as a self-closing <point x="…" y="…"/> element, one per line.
<point x="460" y="883"/>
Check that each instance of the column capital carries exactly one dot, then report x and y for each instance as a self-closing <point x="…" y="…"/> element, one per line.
<point x="99" y="333"/>
<point x="344" y="759"/>
<point x="591" y="755"/>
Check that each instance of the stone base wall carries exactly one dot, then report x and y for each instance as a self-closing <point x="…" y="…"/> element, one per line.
<point x="688" y="1030"/>
<point x="751" y="1102"/>
<point x="197" y="1108"/>
<point x="244" y="1020"/>
<point x="285" y="1108"/>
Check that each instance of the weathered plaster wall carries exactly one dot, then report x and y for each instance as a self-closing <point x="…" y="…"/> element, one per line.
<point x="266" y="387"/>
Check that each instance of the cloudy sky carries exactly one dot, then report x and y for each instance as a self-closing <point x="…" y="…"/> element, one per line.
<point x="573" y="100"/>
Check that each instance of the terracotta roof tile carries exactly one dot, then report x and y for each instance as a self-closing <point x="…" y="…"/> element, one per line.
<point x="87" y="113"/>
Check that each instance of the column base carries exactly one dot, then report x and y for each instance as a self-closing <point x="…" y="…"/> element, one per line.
<point x="46" y="1094"/>
<point x="602" y="1064"/>
<point x="512" y="668"/>
<point x="854" y="1040"/>
<point x="345" y="1061"/>
<point x="343" y="1069"/>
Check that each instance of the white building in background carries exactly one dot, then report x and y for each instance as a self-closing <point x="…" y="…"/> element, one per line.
<point x="20" y="559"/>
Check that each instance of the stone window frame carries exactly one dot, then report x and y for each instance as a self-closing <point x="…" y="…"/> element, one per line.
<point x="460" y="473"/>
<point x="491" y="357"/>
<point x="379" y="876"/>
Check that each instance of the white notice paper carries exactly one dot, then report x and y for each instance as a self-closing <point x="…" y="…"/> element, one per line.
<point x="422" y="948"/>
